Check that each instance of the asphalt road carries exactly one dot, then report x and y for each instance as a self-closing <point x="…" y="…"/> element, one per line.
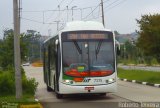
<point x="127" y="92"/>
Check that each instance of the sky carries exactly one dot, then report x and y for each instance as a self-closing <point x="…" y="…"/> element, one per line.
<point x="38" y="15"/>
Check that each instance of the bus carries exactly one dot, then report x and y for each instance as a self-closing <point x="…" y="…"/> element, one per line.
<point x="81" y="59"/>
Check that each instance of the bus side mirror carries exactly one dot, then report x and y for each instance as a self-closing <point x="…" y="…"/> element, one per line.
<point x="56" y="45"/>
<point x="118" y="47"/>
<point x="56" y="42"/>
<point x="118" y="51"/>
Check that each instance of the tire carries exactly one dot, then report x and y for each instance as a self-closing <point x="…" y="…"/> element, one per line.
<point x="49" y="89"/>
<point x="59" y="96"/>
<point x="54" y="85"/>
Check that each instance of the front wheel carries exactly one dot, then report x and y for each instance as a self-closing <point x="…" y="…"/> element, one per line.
<point x="49" y="89"/>
<point x="59" y="96"/>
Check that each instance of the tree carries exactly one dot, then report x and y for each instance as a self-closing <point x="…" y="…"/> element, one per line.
<point x="149" y="40"/>
<point x="33" y="39"/>
<point x="7" y="49"/>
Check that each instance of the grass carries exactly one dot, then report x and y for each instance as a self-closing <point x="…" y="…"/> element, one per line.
<point x="11" y="98"/>
<point x="27" y="101"/>
<point x="140" y="75"/>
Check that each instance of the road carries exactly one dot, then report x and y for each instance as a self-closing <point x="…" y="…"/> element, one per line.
<point x="127" y="92"/>
<point x="148" y="68"/>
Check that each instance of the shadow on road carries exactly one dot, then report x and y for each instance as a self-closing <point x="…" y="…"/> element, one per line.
<point x="86" y="97"/>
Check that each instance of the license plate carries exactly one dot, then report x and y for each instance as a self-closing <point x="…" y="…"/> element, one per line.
<point x="89" y="88"/>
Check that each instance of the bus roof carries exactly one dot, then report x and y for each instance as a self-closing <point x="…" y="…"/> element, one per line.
<point x="81" y="25"/>
<point x="84" y="25"/>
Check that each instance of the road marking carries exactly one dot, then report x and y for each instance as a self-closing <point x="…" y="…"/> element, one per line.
<point x="124" y="79"/>
<point x="157" y="85"/>
<point x="144" y="83"/>
<point x="133" y="81"/>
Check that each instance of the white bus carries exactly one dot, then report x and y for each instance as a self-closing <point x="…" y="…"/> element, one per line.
<point x="81" y="58"/>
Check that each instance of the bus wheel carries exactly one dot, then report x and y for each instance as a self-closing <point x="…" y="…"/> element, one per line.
<point x="49" y="89"/>
<point x="54" y="84"/>
<point x="59" y="96"/>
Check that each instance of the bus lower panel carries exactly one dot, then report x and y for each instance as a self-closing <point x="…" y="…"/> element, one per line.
<point x="68" y="89"/>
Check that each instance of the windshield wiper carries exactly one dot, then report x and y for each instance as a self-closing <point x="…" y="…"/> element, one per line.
<point x="77" y="46"/>
<point x="98" y="48"/>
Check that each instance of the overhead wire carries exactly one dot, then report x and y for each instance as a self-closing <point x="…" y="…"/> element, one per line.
<point x="59" y="14"/>
<point x="55" y="9"/>
<point x="91" y="12"/>
<point x="52" y="14"/>
<point x="116" y="5"/>
<point x="110" y="6"/>
<point x="36" y="21"/>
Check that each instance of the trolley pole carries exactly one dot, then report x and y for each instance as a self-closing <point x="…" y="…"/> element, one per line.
<point x="72" y="11"/>
<point x="17" y="60"/>
<point x="57" y="24"/>
<point x="102" y="13"/>
<point x="67" y="13"/>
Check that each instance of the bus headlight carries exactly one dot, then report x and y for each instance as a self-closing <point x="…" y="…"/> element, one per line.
<point x="111" y="80"/>
<point x="68" y="81"/>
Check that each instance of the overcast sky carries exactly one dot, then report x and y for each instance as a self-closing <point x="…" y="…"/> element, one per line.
<point x="120" y="15"/>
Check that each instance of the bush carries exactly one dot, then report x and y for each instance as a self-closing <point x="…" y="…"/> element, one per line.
<point x="7" y="83"/>
<point x="154" y="61"/>
<point x="29" y="86"/>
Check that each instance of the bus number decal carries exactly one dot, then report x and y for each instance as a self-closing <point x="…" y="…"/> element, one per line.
<point x="97" y="80"/>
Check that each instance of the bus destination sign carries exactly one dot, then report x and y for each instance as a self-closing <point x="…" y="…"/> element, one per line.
<point x="73" y="36"/>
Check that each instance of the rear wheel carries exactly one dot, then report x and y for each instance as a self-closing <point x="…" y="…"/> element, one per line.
<point x="59" y="96"/>
<point x="49" y="89"/>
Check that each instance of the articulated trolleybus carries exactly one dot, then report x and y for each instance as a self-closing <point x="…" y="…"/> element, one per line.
<point x="81" y="59"/>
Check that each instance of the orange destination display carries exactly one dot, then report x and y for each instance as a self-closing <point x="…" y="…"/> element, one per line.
<point x="87" y="36"/>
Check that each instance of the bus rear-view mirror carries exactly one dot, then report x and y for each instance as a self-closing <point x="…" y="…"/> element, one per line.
<point x="56" y="42"/>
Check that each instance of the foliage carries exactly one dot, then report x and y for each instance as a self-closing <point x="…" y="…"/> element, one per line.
<point x="149" y="38"/>
<point x="29" y="47"/>
<point x="7" y="83"/>
<point x="154" y="61"/>
<point x="29" y="85"/>
<point x="33" y="40"/>
<point x="130" y="54"/>
<point x="7" y="79"/>
<point x="7" y="49"/>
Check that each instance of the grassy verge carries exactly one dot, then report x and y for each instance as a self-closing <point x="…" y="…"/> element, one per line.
<point x="140" y="75"/>
<point x="27" y="101"/>
<point x="11" y="98"/>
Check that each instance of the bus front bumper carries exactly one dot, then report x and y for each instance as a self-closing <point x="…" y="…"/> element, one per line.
<point x="76" y="89"/>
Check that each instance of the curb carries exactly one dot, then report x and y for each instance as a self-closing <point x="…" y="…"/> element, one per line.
<point x="139" y="82"/>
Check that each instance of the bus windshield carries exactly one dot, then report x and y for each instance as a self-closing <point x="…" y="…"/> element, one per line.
<point x="88" y="53"/>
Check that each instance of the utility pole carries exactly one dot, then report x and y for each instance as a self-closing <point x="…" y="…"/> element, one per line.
<point x="17" y="60"/>
<point x="102" y="13"/>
